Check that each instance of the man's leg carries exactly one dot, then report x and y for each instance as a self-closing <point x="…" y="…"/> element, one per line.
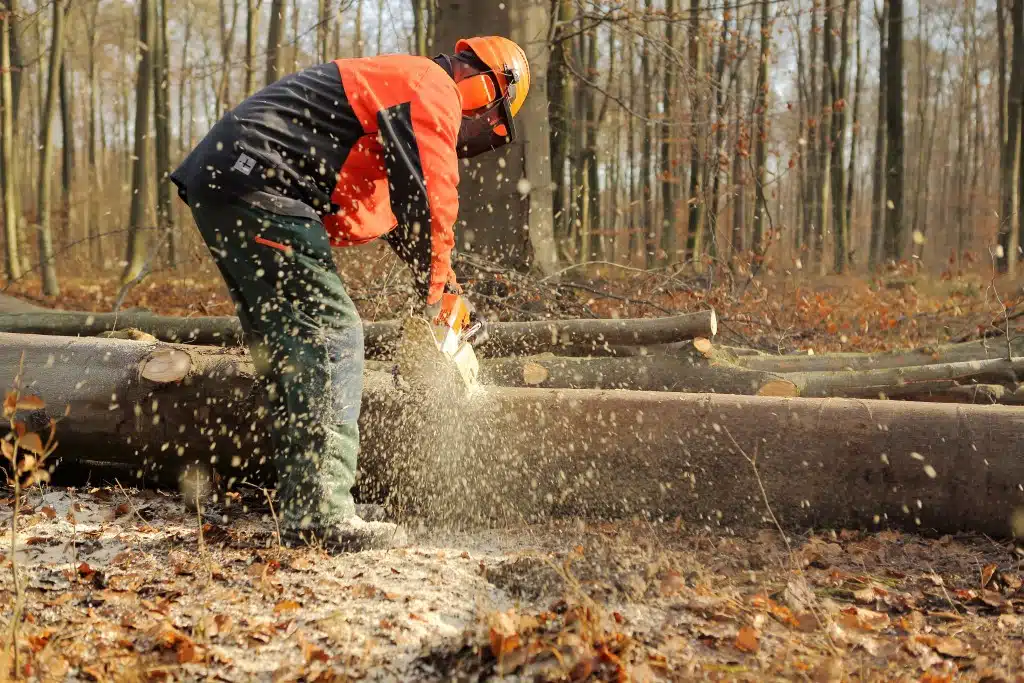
<point x="306" y="339"/>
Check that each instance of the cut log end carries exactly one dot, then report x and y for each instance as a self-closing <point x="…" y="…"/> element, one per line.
<point x="534" y="373"/>
<point x="714" y="323"/>
<point x="703" y="346"/>
<point x="779" y="387"/>
<point x="167" y="365"/>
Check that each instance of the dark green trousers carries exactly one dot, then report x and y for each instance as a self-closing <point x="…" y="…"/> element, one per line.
<point x="306" y="341"/>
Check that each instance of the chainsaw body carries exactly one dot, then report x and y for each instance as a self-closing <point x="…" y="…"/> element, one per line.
<point x="438" y="351"/>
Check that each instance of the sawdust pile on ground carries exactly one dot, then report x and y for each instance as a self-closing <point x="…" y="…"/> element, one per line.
<point x="122" y="586"/>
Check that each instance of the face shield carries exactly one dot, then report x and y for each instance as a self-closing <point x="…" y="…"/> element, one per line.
<point x="488" y="127"/>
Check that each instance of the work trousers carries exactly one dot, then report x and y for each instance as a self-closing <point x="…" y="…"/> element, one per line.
<point x="306" y="340"/>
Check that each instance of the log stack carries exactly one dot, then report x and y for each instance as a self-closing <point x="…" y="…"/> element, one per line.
<point x="606" y="418"/>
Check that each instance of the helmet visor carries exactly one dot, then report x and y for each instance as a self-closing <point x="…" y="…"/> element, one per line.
<point x="489" y="128"/>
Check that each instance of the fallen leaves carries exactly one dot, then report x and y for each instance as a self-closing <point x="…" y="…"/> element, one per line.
<point x="747" y="640"/>
<point x="286" y="606"/>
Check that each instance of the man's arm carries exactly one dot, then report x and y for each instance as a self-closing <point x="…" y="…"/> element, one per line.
<point x="419" y="142"/>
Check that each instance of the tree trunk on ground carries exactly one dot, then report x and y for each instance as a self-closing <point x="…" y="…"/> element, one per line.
<point x="761" y="141"/>
<point x="47" y="257"/>
<point x="505" y="196"/>
<point x="517" y="337"/>
<point x="135" y="253"/>
<point x="536" y="453"/>
<point x="8" y="149"/>
<point x="275" y="36"/>
<point x="894" y="239"/>
<point x="879" y="174"/>
<point x="162" y="120"/>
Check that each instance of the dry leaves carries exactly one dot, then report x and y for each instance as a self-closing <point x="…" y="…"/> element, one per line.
<point x="747" y="640"/>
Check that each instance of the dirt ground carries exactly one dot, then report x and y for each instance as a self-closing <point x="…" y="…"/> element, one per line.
<point x="125" y="585"/>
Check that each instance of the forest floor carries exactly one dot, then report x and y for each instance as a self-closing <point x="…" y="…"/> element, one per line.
<point x="123" y="585"/>
<point x="126" y="585"/>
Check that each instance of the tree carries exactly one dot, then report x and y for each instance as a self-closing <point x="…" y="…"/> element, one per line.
<point x="696" y="198"/>
<point x="135" y="253"/>
<point x="7" y="146"/>
<point x="252" y="29"/>
<point x="560" y="89"/>
<point x="162" y="119"/>
<point x="275" y="36"/>
<point x="894" y="242"/>
<point x="878" y="177"/>
<point x="46" y="254"/>
<point x="838" y="74"/>
<point x="1009" y="218"/>
<point x="505" y="196"/>
<point x="668" y="210"/>
<point x="761" y="141"/>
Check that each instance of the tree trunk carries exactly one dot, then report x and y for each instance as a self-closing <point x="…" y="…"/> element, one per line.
<point x="719" y="157"/>
<point x="8" y="148"/>
<point x="854" y="137"/>
<point x="162" y="120"/>
<point x="739" y="211"/>
<point x="275" y="36"/>
<point x="323" y="29"/>
<point x="421" y="24"/>
<point x="560" y="113"/>
<point x="227" y="42"/>
<point x="879" y="174"/>
<point x="894" y="242"/>
<point x="252" y="31"/>
<point x="67" y="166"/>
<point x="840" y="227"/>
<point x="515" y="180"/>
<point x="669" y="238"/>
<point x="135" y="254"/>
<point x="634" y="240"/>
<point x="647" y="172"/>
<point x="696" y="193"/>
<point x="95" y="175"/>
<point x="684" y="453"/>
<point x="47" y="257"/>
<point x="518" y="337"/>
<point x="761" y="141"/>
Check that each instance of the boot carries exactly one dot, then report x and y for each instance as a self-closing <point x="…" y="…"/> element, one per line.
<point x="351" y="536"/>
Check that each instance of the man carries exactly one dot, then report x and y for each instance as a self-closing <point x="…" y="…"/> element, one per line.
<point x="336" y="155"/>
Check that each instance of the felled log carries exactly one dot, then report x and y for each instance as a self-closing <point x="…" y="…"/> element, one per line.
<point x="524" y="453"/>
<point x="838" y="362"/>
<point x="581" y="336"/>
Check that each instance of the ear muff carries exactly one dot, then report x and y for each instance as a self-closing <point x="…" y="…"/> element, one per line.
<point x="478" y="92"/>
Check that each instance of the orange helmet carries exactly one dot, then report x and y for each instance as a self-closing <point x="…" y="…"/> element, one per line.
<point x="492" y="97"/>
<point x="504" y="57"/>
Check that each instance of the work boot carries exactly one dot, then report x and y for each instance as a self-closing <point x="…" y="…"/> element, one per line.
<point x="351" y="536"/>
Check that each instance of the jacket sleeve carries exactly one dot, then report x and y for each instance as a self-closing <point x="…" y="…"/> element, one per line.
<point x="418" y="138"/>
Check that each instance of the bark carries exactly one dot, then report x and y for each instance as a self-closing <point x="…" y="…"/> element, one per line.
<point x="647" y="173"/>
<point x="67" y="147"/>
<point x="47" y="258"/>
<point x="275" y="36"/>
<point x="634" y="239"/>
<point x="252" y="30"/>
<point x="894" y="239"/>
<point x="421" y="25"/>
<point x="837" y="174"/>
<point x="323" y="28"/>
<point x="135" y="253"/>
<point x="162" y="120"/>
<point x="878" y="176"/>
<point x="668" y="209"/>
<point x="560" y="91"/>
<point x="359" y="47"/>
<point x="761" y="141"/>
<point x="696" y="194"/>
<point x="854" y="137"/>
<point x="227" y="42"/>
<point x="505" y="197"/>
<point x="519" y="337"/>
<point x="718" y="153"/>
<point x="94" y="174"/>
<point x="739" y="211"/>
<point x="823" y="168"/>
<point x="8" y="148"/>
<point x="536" y="453"/>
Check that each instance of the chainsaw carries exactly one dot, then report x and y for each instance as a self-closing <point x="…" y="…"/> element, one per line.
<point x="433" y="353"/>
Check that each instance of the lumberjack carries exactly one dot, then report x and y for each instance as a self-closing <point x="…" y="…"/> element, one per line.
<point x="335" y="155"/>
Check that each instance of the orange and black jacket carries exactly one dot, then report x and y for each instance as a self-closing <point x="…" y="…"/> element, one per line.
<point x="368" y="146"/>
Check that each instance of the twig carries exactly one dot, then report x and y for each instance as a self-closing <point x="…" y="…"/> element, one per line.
<point x="131" y="505"/>
<point x="273" y="515"/>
